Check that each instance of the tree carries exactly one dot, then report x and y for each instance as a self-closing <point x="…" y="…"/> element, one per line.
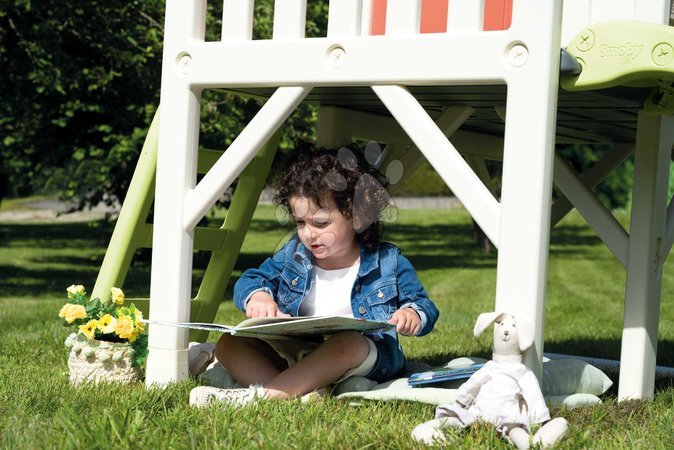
<point x="82" y="83"/>
<point x="82" y="86"/>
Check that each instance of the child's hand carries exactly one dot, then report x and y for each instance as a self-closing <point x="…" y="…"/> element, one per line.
<point x="262" y="304"/>
<point x="407" y="321"/>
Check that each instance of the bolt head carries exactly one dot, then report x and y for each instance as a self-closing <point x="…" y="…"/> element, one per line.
<point x="662" y="54"/>
<point x="518" y="55"/>
<point x="585" y="40"/>
<point x="337" y="57"/>
<point x="185" y="64"/>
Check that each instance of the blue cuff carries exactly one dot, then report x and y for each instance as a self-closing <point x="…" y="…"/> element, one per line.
<point x="264" y="289"/>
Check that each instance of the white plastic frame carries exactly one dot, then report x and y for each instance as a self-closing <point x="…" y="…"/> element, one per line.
<point x="524" y="57"/>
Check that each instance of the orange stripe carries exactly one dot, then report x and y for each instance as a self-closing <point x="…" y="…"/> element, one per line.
<point x="497" y="15"/>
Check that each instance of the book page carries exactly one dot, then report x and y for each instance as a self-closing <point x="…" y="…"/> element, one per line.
<point x="285" y="327"/>
<point x="196" y="325"/>
<point x="280" y="327"/>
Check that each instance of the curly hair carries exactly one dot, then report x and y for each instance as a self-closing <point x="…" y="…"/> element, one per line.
<point x="357" y="188"/>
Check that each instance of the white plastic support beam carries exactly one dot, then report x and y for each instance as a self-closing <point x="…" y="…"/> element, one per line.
<point x="597" y="215"/>
<point x="444" y="158"/>
<point x="579" y="14"/>
<point x="272" y="115"/>
<point x="656" y="11"/>
<point x="403" y="17"/>
<point x="360" y="124"/>
<point x="465" y="15"/>
<point x="344" y="18"/>
<point x="655" y="135"/>
<point x="407" y="154"/>
<point x="380" y="128"/>
<point x="237" y="19"/>
<point x="477" y="144"/>
<point x="593" y="176"/>
<point x="334" y="127"/>
<point x="172" y="247"/>
<point x="290" y="61"/>
<point x="290" y="18"/>
<point x="366" y="18"/>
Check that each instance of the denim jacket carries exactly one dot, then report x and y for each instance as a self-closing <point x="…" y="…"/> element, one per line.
<point x="386" y="282"/>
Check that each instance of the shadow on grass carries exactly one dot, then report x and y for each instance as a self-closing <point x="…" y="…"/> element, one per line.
<point x="34" y="282"/>
<point x="434" y="246"/>
<point x="573" y="235"/>
<point x="61" y="235"/>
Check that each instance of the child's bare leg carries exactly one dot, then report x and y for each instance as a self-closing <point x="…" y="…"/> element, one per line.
<point x="248" y="360"/>
<point x="326" y="364"/>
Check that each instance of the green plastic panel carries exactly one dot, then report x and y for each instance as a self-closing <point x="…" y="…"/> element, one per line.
<point x="626" y="53"/>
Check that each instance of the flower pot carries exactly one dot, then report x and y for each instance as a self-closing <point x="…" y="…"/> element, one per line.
<point x="95" y="361"/>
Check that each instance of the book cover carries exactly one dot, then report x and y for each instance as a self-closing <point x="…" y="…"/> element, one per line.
<point x="285" y="327"/>
<point x="440" y="375"/>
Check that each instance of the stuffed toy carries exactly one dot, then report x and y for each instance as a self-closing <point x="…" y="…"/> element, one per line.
<point x="504" y="392"/>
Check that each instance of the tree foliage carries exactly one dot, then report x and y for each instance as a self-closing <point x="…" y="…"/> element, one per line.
<point x="82" y="86"/>
<point x="82" y="83"/>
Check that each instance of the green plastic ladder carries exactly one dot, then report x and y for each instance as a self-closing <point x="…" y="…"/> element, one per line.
<point x="131" y="231"/>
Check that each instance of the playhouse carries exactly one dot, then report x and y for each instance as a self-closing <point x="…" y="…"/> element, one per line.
<point x="452" y="81"/>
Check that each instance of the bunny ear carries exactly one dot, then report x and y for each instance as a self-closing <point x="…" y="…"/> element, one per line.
<point x="483" y="321"/>
<point x="525" y="333"/>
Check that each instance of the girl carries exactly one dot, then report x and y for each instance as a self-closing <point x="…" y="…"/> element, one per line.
<point x="333" y="265"/>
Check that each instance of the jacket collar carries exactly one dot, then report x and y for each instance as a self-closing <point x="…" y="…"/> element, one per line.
<point x="302" y="257"/>
<point x="369" y="261"/>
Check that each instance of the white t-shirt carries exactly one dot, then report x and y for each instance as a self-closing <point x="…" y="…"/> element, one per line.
<point x="330" y="293"/>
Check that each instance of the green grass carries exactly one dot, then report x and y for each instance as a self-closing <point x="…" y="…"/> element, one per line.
<point x="40" y="409"/>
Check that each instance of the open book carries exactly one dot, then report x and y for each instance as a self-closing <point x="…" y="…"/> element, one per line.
<point x="285" y="327"/>
<point x="440" y="375"/>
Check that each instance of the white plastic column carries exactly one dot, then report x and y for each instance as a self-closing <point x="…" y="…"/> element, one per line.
<point x="533" y="69"/>
<point x="655" y="135"/>
<point x="176" y="173"/>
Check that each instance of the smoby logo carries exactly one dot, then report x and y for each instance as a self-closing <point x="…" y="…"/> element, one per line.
<point x="628" y="49"/>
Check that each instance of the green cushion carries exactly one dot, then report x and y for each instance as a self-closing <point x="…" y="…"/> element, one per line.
<point x="573" y="376"/>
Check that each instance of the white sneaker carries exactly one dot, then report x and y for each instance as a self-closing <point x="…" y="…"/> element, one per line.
<point x="314" y="396"/>
<point x="203" y="396"/>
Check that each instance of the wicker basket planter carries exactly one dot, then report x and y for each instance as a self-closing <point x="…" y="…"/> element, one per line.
<point x="94" y="361"/>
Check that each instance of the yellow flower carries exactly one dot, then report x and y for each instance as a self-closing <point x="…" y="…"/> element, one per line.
<point x="138" y="330"/>
<point x="89" y="328"/>
<point x="75" y="289"/>
<point x="107" y="324"/>
<point x="117" y="296"/>
<point x="71" y="312"/>
<point x="124" y="328"/>
<point x="138" y="314"/>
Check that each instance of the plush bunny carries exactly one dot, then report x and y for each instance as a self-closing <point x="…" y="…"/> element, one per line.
<point x="503" y="392"/>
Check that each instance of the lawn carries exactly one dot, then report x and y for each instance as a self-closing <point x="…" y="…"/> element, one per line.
<point x="40" y="409"/>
